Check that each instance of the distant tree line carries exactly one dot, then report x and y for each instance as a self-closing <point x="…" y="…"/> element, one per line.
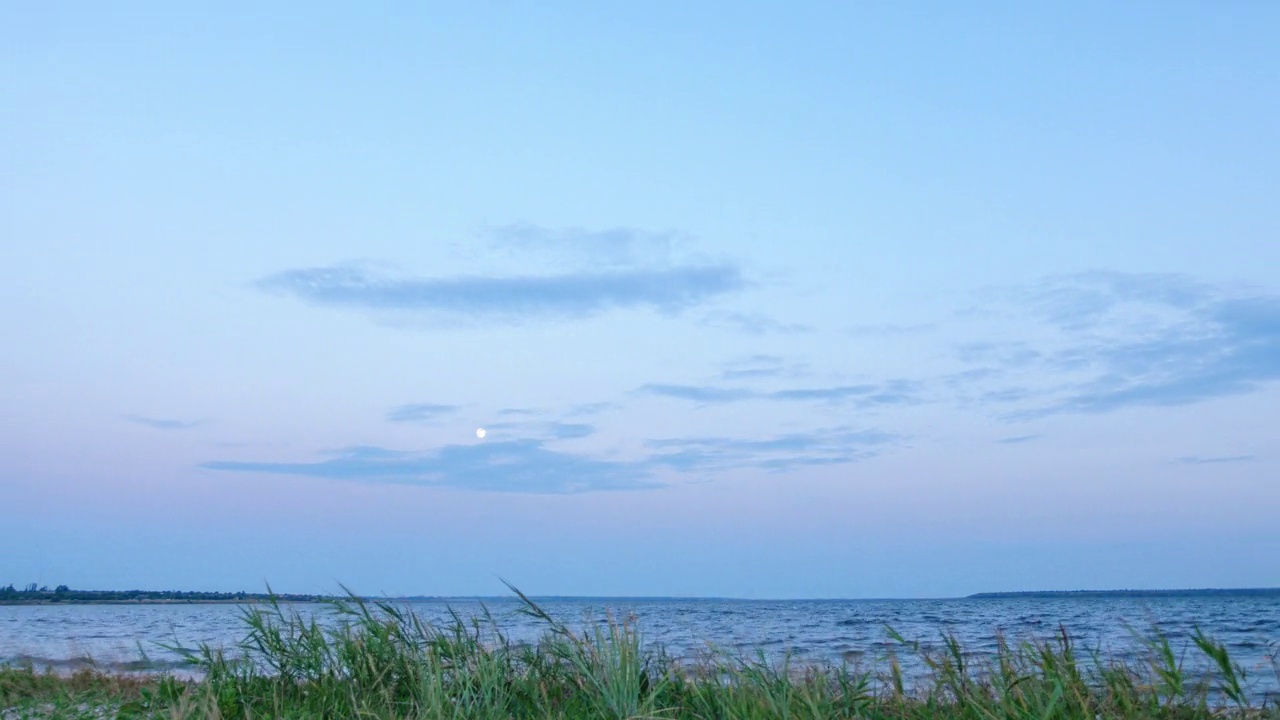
<point x="1234" y="592"/>
<point x="34" y="593"/>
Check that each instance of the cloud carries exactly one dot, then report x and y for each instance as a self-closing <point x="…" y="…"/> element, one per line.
<point x="827" y="394"/>
<point x="540" y="430"/>
<point x="594" y="408"/>
<point x="420" y="412"/>
<point x="965" y="378"/>
<point x="524" y="456"/>
<point x="754" y="324"/>
<point x="1200" y="460"/>
<point x="1006" y="354"/>
<point x="613" y="247"/>
<point x="1018" y="439"/>
<point x="1134" y="340"/>
<point x="1079" y="300"/>
<point x="521" y="422"/>
<point x="1006" y="395"/>
<point x="668" y="290"/>
<point x="749" y="373"/>
<point x="529" y="466"/>
<point x="699" y="393"/>
<point x="1226" y="348"/>
<point x="890" y="330"/>
<point x="164" y="424"/>
<point x="819" y="447"/>
<point x="570" y="431"/>
<point x="522" y="466"/>
<point x="761" y="366"/>
<point x="523" y="412"/>
<point x="896" y="392"/>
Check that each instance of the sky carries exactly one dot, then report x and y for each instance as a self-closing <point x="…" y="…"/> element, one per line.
<point x="758" y="300"/>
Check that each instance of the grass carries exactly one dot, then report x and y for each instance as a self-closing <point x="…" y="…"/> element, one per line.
<point x="381" y="661"/>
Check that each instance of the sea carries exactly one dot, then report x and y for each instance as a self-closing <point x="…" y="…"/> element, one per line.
<point x="137" y="637"/>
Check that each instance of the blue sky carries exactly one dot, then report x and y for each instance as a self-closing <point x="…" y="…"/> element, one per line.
<point x="802" y="300"/>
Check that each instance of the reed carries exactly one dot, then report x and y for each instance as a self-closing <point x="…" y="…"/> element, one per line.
<point x="380" y="660"/>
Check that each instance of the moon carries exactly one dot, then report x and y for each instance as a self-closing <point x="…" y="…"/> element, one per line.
<point x="480" y="433"/>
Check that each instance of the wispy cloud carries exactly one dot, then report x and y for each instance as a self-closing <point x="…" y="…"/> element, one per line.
<point x="1018" y="439"/>
<point x="896" y="392"/>
<point x="529" y="466"/>
<point x="163" y="423"/>
<point x="522" y="412"/>
<point x="884" y="330"/>
<point x="1097" y="342"/>
<point x="754" y="324"/>
<point x="1213" y="460"/>
<point x="761" y="366"/>
<point x="1124" y="340"/>
<point x="1004" y="354"/>
<point x="420" y="412"/>
<point x="668" y="290"/>
<point x="540" y="430"/>
<point x="1224" y="351"/>
<point x="521" y="466"/>
<point x="1005" y="395"/>
<point x="595" y="408"/>
<point x="612" y="247"/>
<point x="570" y="431"/>
<point x="1081" y="300"/>
<point x="818" y="447"/>
<point x="698" y="393"/>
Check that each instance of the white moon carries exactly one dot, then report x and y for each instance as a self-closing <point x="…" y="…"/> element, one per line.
<point x="480" y="433"/>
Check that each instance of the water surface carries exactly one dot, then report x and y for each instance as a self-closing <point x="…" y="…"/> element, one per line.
<point x="810" y="631"/>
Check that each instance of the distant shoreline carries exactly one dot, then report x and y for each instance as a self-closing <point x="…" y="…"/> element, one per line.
<point x="1202" y="592"/>
<point x="246" y="601"/>
<point x="63" y="595"/>
<point x="148" y="597"/>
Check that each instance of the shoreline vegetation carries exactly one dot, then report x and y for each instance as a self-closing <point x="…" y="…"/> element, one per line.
<point x="63" y="595"/>
<point x="382" y="661"/>
<point x="1202" y="592"/>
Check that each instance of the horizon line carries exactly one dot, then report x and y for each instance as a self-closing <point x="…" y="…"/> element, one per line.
<point x="724" y="598"/>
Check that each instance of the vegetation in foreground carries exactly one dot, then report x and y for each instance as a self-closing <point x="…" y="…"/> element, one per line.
<point x="382" y="661"/>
